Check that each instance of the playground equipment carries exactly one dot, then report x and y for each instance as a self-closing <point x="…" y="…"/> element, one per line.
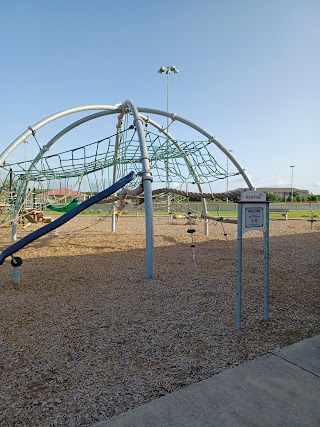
<point x="65" y="208"/>
<point x="140" y="143"/>
<point x="17" y="261"/>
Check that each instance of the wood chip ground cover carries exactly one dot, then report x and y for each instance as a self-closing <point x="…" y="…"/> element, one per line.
<point x="85" y="337"/>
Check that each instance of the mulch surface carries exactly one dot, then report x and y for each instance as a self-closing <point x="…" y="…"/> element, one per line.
<point x="85" y="336"/>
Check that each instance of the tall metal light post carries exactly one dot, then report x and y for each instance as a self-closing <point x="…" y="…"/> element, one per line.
<point x="168" y="70"/>
<point x="228" y="174"/>
<point x="292" y="166"/>
<point x="25" y="154"/>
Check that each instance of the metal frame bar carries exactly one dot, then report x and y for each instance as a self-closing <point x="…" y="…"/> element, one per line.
<point x="146" y="173"/>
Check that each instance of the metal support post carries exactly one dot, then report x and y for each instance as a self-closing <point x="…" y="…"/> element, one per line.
<point x="266" y="267"/>
<point x="147" y="188"/>
<point x="113" y="219"/>
<point x="239" y="271"/>
<point x="16" y="263"/>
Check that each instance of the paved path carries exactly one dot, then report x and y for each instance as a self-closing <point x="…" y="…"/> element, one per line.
<point x="277" y="390"/>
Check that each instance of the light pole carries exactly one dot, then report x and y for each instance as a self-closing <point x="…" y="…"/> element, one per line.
<point x="228" y="174"/>
<point x="292" y="166"/>
<point x="25" y="154"/>
<point x="168" y="70"/>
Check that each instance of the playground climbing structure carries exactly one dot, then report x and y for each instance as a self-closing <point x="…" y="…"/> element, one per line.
<point x="167" y="159"/>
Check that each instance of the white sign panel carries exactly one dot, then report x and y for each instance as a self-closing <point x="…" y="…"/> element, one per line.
<point x="253" y="217"/>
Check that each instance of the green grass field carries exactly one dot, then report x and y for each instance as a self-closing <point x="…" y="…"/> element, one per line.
<point x="294" y="214"/>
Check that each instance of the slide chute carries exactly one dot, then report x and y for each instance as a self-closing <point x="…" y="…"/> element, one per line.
<point x="66" y="217"/>
<point x="66" y="208"/>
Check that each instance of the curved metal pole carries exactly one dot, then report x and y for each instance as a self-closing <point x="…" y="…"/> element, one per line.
<point x="111" y="110"/>
<point x="189" y="166"/>
<point x="119" y="126"/>
<point x="206" y="134"/>
<point x="146" y="182"/>
<point x="115" y="109"/>
<point x="188" y="163"/>
<point x="62" y="133"/>
<point x="182" y="152"/>
<point x="212" y="139"/>
<point x="49" y="119"/>
<point x="39" y="156"/>
<point x="120" y="117"/>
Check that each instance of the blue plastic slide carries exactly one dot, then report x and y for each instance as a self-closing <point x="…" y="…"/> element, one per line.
<point x="65" y="218"/>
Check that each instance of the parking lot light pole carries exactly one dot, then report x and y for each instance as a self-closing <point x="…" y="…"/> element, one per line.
<point x="168" y="70"/>
<point x="292" y="166"/>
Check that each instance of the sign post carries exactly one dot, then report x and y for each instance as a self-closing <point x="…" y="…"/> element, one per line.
<point x="253" y="214"/>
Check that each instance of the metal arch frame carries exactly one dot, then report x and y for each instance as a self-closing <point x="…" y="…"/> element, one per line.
<point x="32" y="129"/>
<point x="210" y="137"/>
<point x="118" y="109"/>
<point x="145" y="160"/>
<point x="184" y="156"/>
<point x="174" y="141"/>
<point x="189" y="166"/>
<point x="45" y="148"/>
<point x="119" y="127"/>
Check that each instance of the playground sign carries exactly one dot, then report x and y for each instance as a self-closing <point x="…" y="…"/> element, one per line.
<point x="253" y="211"/>
<point x="253" y="214"/>
<point x="253" y="196"/>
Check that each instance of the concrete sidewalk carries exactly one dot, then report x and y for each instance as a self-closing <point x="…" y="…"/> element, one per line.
<point x="277" y="390"/>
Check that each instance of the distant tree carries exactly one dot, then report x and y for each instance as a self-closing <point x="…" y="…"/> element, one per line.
<point x="296" y="197"/>
<point x="271" y="197"/>
<point x="234" y="199"/>
<point x="313" y="197"/>
<point x="304" y="198"/>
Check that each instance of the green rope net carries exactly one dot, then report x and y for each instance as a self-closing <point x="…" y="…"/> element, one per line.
<point x="170" y="160"/>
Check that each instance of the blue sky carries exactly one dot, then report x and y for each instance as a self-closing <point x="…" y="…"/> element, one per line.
<point x="249" y="72"/>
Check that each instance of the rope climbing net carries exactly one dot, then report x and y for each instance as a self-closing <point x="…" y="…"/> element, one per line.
<point x="90" y="167"/>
